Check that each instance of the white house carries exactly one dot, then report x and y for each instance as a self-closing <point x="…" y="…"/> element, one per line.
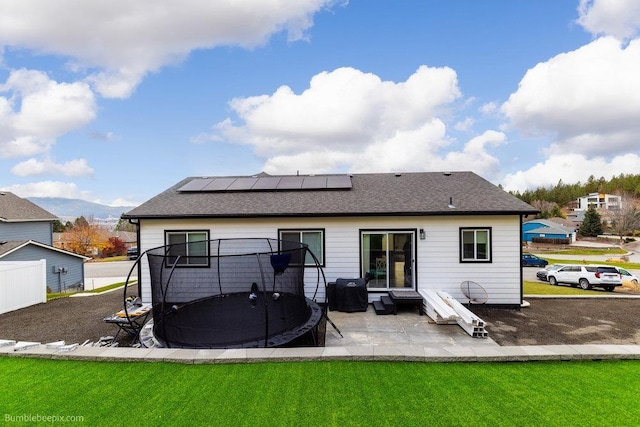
<point x="405" y="231"/>
<point x="599" y="201"/>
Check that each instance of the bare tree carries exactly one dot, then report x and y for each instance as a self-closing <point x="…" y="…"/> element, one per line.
<point x="625" y="220"/>
<point x="547" y="209"/>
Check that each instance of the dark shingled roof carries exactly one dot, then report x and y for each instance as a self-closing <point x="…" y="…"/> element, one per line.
<point x="16" y="209"/>
<point x="375" y="194"/>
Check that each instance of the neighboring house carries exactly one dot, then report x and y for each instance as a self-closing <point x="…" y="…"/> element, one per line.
<point x="26" y="235"/>
<point x="548" y="229"/>
<point x="576" y="218"/>
<point x="599" y="201"/>
<point x="408" y="231"/>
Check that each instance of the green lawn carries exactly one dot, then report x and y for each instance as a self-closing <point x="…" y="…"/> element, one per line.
<point x="544" y="288"/>
<point x="55" y="295"/>
<point x="323" y="393"/>
<point x="587" y="251"/>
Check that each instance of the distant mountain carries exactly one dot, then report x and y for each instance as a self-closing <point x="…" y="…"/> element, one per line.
<point x="70" y="209"/>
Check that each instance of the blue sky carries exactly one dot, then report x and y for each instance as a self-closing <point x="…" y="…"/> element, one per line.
<point x="114" y="105"/>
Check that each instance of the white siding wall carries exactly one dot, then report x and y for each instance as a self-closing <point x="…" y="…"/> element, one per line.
<point x="438" y="265"/>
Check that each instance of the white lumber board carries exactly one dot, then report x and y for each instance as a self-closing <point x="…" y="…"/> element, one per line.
<point x="439" y="319"/>
<point x="25" y="345"/>
<point x="472" y="324"/>
<point x="461" y="310"/>
<point x="437" y="309"/>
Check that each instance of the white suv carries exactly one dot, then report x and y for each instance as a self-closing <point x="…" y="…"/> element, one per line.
<point x="586" y="276"/>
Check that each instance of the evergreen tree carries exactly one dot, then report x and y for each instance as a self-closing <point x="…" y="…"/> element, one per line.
<point x="125" y="225"/>
<point x="556" y="212"/>
<point x="592" y="224"/>
<point x="81" y="222"/>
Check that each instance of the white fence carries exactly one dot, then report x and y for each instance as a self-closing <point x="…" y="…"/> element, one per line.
<point x="22" y="283"/>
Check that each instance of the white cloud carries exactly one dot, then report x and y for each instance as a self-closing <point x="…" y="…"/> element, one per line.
<point x="570" y="168"/>
<point x="465" y="125"/>
<point x="119" y="44"/>
<point x="489" y="108"/>
<point x="350" y="120"/>
<point x="32" y="167"/>
<point x="36" y="110"/>
<point x="618" y="18"/>
<point x="588" y="99"/>
<point x="475" y="156"/>
<point x="48" y="189"/>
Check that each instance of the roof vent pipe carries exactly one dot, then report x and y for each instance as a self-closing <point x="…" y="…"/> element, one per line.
<point x="451" y="206"/>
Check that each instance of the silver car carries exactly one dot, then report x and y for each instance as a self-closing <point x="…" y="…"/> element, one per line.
<point x="544" y="273"/>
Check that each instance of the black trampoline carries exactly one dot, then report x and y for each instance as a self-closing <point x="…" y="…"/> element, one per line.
<point x="232" y="293"/>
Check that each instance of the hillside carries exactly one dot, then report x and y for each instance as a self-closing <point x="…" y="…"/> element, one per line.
<point x="70" y="209"/>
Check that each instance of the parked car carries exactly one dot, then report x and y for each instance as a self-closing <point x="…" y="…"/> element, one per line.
<point x="543" y="273"/>
<point x="627" y="278"/>
<point x="132" y="253"/>
<point x="586" y="276"/>
<point x="530" y="260"/>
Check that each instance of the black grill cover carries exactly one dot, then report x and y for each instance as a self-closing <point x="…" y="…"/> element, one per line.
<point x="349" y="295"/>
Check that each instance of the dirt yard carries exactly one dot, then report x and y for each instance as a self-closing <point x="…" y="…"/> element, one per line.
<point x="565" y="321"/>
<point x="73" y="320"/>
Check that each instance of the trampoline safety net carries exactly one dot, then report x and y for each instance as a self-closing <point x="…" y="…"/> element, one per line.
<point x="231" y="293"/>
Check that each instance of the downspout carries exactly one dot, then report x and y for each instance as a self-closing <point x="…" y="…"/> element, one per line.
<point x="519" y="262"/>
<point x="136" y="222"/>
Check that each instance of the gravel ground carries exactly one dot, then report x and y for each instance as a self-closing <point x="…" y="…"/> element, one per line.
<point x="546" y="321"/>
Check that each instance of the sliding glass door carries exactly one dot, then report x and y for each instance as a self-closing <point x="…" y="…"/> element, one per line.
<point x="388" y="259"/>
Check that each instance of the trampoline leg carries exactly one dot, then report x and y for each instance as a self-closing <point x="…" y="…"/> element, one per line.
<point x="332" y="324"/>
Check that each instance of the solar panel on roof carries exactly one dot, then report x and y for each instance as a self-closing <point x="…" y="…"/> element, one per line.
<point x="268" y="183"/>
<point x="196" y="184"/>
<point x="338" y="181"/>
<point x="314" y="182"/>
<point x="219" y="184"/>
<point x="290" y="182"/>
<point x="242" y="184"/>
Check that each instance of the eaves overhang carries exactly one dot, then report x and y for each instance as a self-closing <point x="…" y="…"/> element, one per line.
<point x="331" y="214"/>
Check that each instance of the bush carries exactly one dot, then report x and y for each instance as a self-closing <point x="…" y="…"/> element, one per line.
<point x="115" y="246"/>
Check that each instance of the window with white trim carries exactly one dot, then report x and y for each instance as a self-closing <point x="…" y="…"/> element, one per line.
<point x="314" y="239"/>
<point x="475" y="245"/>
<point x="187" y="248"/>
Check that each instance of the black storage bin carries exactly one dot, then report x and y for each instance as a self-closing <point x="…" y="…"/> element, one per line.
<point x="349" y="295"/>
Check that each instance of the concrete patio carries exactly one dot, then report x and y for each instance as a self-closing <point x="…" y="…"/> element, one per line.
<point x="407" y="328"/>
